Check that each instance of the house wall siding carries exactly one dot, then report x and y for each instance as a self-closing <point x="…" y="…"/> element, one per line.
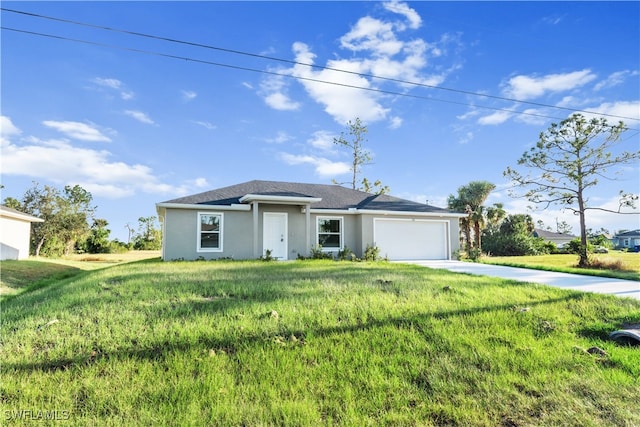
<point x="15" y="238"/>
<point x="181" y="235"/>
<point x="181" y="232"/>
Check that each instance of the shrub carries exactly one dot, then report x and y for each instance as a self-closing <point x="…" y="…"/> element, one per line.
<point x="608" y="264"/>
<point x="574" y="246"/>
<point x="318" y="253"/>
<point x="371" y="253"/>
<point x="346" y="254"/>
<point x="267" y="255"/>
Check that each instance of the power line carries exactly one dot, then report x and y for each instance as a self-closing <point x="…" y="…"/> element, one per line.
<point x="366" y="75"/>
<point x="274" y="73"/>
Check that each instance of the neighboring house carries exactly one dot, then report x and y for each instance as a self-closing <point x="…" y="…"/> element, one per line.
<point x="15" y="230"/>
<point x="627" y="240"/>
<point x="560" y="239"/>
<point x="289" y="219"/>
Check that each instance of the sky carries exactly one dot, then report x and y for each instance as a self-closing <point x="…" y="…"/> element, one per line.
<point x="143" y="102"/>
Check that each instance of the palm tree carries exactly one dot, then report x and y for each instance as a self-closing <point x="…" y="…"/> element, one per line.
<point x="470" y="199"/>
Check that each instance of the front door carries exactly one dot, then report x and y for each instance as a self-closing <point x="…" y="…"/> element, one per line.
<point x="274" y="234"/>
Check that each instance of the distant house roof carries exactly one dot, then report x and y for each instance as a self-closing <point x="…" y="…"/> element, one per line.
<point x="321" y="196"/>
<point x="631" y="233"/>
<point x="551" y="235"/>
<point x="15" y="214"/>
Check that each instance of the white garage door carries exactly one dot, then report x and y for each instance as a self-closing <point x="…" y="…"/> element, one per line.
<point x="404" y="239"/>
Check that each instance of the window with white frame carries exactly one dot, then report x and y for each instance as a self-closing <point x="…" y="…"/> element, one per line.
<point x="209" y="232"/>
<point x="330" y="233"/>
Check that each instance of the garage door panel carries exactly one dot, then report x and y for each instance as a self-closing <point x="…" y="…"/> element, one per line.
<point x="411" y="239"/>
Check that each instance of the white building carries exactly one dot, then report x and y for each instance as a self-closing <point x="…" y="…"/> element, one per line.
<point x="15" y="229"/>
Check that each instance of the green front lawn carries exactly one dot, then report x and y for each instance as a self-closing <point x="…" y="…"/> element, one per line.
<point x="628" y="263"/>
<point x="314" y="343"/>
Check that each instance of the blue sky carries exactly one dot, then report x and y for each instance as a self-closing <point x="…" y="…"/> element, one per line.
<point x="138" y="120"/>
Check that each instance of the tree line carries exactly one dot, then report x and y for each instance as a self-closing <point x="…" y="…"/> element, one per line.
<point x="70" y="224"/>
<point x="567" y="161"/>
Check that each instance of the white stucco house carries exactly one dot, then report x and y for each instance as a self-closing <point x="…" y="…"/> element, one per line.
<point x="288" y="219"/>
<point x="15" y="230"/>
<point x="560" y="239"/>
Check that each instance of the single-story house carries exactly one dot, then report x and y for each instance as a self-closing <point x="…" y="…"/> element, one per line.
<point x="15" y="231"/>
<point x="627" y="240"/>
<point x="560" y="239"/>
<point x="246" y="220"/>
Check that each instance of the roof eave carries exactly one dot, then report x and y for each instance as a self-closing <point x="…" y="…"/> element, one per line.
<point x="282" y="200"/>
<point x="232" y="207"/>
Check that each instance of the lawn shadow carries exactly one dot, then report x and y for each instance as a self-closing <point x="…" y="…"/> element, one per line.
<point x="236" y="341"/>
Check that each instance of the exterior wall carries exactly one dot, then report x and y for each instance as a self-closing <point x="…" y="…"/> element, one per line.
<point x="181" y="232"/>
<point x="351" y="231"/>
<point x="181" y="235"/>
<point x="15" y="238"/>
<point x="626" y="242"/>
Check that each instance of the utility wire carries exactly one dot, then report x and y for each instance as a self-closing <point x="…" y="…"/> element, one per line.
<point x="287" y="61"/>
<point x="274" y="73"/>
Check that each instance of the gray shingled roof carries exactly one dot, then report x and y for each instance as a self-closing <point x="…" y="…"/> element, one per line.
<point x="546" y="234"/>
<point x="629" y="233"/>
<point x="333" y="196"/>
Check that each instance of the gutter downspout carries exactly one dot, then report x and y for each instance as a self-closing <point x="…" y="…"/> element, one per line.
<point x="307" y="219"/>
<point x="254" y="207"/>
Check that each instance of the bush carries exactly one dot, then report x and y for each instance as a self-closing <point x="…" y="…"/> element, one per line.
<point x="371" y="253"/>
<point x="346" y="254"/>
<point x="318" y="253"/>
<point x="573" y="246"/>
<point x="500" y="244"/>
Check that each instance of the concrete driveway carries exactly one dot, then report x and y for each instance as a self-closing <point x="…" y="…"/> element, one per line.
<point x="602" y="285"/>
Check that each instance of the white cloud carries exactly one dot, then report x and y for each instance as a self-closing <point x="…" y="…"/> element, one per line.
<point x="621" y="108"/>
<point x="373" y="35"/>
<point x="395" y="122"/>
<point x="280" y="138"/>
<point x="77" y="130"/>
<point x="274" y="90"/>
<point x="62" y="162"/>
<point x="615" y="79"/>
<point x="322" y="140"/>
<point x="529" y="87"/>
<point x="188" y="95"/>
<point x="280" y="101"/>
<point x="531" y="116"/>
<point x="466" y="138"/>
<point x="114" y="84"/>
<point x="139" y="116"/>
<point x="204" y="124"/>
<point x="198" y="182"/>
<point x="323" y="167"/>
<point x="415" y="21"/>
<point x="7" y="129"/>
<point x="553" y="19"/>
<point x="496" y="118"/>
<point x="342" y="103"/>
<point x="374" y="47"/>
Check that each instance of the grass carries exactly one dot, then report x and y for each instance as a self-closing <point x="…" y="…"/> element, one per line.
<point x="620" y="265"/>
<point x="314" y="343"/>
<point x="16" y="276"/>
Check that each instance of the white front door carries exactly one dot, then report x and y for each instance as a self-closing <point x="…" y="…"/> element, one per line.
<point x="274" y="234"/>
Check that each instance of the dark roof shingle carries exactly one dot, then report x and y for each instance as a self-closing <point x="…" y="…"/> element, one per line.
<point x="333" y="196"/>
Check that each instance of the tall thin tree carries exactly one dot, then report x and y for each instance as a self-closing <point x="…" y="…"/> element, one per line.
<point x="567" y="162"/>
